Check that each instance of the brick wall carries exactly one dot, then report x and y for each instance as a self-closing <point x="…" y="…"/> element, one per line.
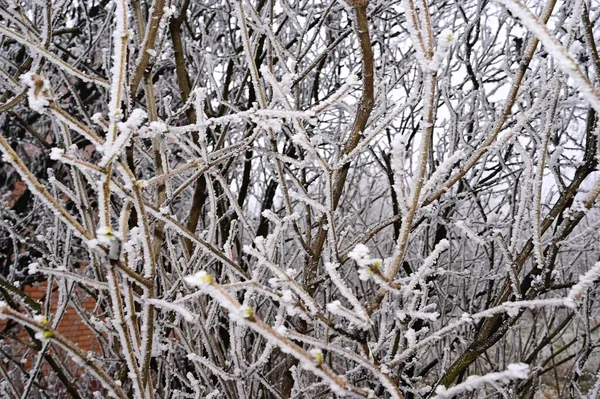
<point x="71" y="326"/>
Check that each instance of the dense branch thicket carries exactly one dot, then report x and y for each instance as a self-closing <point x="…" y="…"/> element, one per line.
<point x="300" y="198"/>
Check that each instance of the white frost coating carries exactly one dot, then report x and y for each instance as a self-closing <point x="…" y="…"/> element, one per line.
<point x="284" y="277"/>
<point x="349" y="354"/>
<point x="77" y="127"/>
<point x="204" y="281"/>
<point x="426" y="268"/>
<point x="367" y="265"/>
<point x="106" y="236"/>
<point x="445" y="40"/>
<point x="364" y="274"/>
<point x="56" y="153"/>
<point x="307" y="360"/>
<point x="317" y="354"/>
<point x="514" y="371"/>
<point x="169" y="11"/>
<point x="411" y="337"/>
<point x="446" y="37"/>
<point x="40" y="335"/>
<point x="334" y="306"/>
<point x="469" y="233"/>
<point x="308" y="201"/>
<point x="585" y="282"/>
<point x="137" y="117"/>
<point x="555" y="49"/>
<point x="469" y="319"/>
<point x="360" y="254"/>
<point x="362" y="317"/>
<point x="127" y="348"/>
<point x="398" y="157"/>
<point x="338" y="309"/>
<point x="287" y="296"/>
<point x="282" y="330"/>
<point x="440" y="173"/>
<point x="415" y="34"/>
<point x="187" y="315"/>
<point x="199" y="279"/>
<point x="433" y="316"/>
<point x="97" y="118"/>
<point x="525" y="197"/>
<point x="214" y="394"/>
<point x="154" y="129"/>
<point x="118" y="70"/>
<point x="38" y="90"/>
<point x="53" y="58"/>
<point x="250" y="114"/>
<point x="9" y="156"/>
<point x="32" y="268"/>
<point x="244" y="312"/>
<point x="245" y="315"/>
<point x="336" y="97"/>
<point x="126" y="129"/>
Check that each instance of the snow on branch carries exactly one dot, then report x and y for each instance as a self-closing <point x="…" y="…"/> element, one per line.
<point x="555" y="48"/>
<point x="586" y="281"/>
<point x="118" y="74"/>
<point x="510" y="308"/>
<point x="515" y="371"/>
<point x="245" y="315"/>
<point x="53" y="58"/>
<point x="187" y="315"/>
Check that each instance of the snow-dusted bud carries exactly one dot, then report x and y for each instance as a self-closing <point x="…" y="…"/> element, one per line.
<point x="446" y="37"/>
<point x="334" y="306"/>
<point x="376" y="264"/>
<point x="317" y="355"/>
<point x="360" y="254"/>
<point x="43" y="335"/>
<point x="282" y="330"/>
<point x="106" y="236"/>
<point x="445" y="40"/>
<point x="199" y="279"/>
<point x="364" y="273"/>
<point x="246" y="312"/>
<point x="369" y="267"/>
<point x="352" y="80"/>
<point x="38" y="93"/>
<point x="287" y="296"/>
